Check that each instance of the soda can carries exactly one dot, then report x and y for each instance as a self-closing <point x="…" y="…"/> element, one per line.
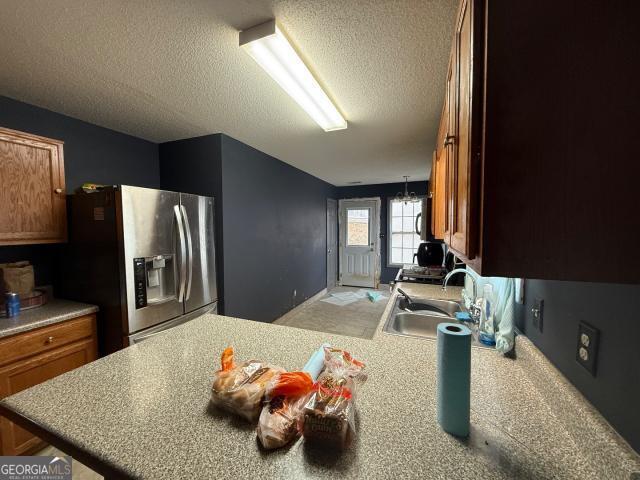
<point x="12" y="304"/>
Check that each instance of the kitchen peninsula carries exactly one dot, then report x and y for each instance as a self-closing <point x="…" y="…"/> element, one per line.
<point x="144" y="412"/>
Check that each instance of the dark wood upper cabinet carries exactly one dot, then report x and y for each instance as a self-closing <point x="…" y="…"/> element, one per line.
<point x="540" y="112"/>
<point x="32" y="189"/>
<point x="463" y="140"/>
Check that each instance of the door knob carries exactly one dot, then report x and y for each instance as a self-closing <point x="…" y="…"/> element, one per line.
<point x="58" y="190"/>
<point x="49" y="340"/>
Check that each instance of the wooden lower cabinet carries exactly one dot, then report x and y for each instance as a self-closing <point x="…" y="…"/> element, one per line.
<point x="65" y="353"/>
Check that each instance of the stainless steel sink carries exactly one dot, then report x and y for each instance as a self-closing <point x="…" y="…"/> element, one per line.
<point x="416" y="324"/>
<point x="434" y="306"/>
<point x="423" y="323"/>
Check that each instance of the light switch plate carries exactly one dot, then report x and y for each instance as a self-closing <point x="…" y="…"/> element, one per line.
<point x="587" y="348"/>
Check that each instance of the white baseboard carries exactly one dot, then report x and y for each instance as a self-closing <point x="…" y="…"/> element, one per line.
<point x="283" y="319"/>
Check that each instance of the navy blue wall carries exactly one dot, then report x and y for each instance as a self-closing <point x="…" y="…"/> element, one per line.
<point x="271" y="222"/>
<point x="275" y="233"/>
<point x="384" y="191"/>
<point x="194" y="166"/>
<point x="91" y="154"/>
<point x="613" y="309"/>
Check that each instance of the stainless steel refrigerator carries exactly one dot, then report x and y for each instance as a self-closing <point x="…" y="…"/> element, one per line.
<point x="146" y="257"/>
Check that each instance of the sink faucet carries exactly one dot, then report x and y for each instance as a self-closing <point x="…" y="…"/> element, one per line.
<point x="475" y="309"/>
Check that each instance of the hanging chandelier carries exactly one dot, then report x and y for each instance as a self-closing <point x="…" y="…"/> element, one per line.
<point x="406" y="197"/>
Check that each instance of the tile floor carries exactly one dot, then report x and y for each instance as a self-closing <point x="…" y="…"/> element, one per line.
<point x="358" y="319"/>
<point x="78" y="470"/>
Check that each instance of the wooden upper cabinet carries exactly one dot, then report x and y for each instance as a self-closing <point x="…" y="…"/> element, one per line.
<point x="456" y="201"/>
<point x="448" y="152"/>
<point x="439" y="201"/>
<point x="431" y="194"/>
<point x="533" y="184"/>
<point x="462" y="139"/>
<point x="32" y="189"/>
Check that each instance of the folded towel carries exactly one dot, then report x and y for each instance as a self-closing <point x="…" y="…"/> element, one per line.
<point x="374" y="296"/>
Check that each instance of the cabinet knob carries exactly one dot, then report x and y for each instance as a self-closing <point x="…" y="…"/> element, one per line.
<point x="58" y="190"/>
<point x="449" y="140"/>
<point x="49" y="340"/>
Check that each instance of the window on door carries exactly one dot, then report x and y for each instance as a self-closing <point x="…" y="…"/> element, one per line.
<point x="357" y="227"/>
<point x="403" y="239"/>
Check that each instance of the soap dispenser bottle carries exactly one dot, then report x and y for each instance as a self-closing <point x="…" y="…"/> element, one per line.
<point x="487" y="329"/>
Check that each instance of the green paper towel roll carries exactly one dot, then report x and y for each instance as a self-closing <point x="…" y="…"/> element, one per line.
<point x="454" y="378"/>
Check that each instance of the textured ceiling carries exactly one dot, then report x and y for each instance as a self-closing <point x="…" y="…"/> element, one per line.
<point x="167" y="69"/>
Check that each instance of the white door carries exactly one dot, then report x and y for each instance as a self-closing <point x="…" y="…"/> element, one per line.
<point x="359" y="242"/>
<point x="332" y="243"/>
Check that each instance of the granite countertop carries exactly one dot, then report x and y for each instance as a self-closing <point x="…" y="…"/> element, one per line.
<point x="54" y="311"/>
<point x="144" y="412"/>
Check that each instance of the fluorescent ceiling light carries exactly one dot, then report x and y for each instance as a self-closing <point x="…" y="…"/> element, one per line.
<point x="273" y="52"/>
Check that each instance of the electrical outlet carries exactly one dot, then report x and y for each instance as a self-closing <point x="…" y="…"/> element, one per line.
<point x="587" y="349"/>
<point x="537" y="312"/>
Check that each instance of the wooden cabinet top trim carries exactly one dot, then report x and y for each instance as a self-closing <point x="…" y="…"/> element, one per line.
<point x="9" y="134"/>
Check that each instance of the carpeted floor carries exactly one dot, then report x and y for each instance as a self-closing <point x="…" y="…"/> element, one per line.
<point x="358" y="319"/>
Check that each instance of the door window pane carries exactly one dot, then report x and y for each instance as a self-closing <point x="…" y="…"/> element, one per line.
<point x="357" y="227"/>
<point x="396" y="255"/>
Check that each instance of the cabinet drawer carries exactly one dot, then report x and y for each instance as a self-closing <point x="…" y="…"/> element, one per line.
<point x="31" y="371"/>
<point x="46" y="338"/>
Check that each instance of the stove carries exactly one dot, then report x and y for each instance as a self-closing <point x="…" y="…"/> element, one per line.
<point x="416" y="274"/>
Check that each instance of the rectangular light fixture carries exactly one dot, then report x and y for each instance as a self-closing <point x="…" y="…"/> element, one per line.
<point x="272" y="51"/>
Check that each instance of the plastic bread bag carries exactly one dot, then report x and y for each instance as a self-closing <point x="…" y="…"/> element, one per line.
<point x="278" y="423"/>
<point x="329" y="410"/>
<point x="240" y="388"/>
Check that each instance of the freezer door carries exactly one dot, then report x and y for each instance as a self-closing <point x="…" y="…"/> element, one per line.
<point x="201" y="288"/>
<point x="154" y="256"/>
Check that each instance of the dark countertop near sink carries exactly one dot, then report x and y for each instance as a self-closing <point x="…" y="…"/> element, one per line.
<point x="144" y="412"/>
<point x="54" y="311"/>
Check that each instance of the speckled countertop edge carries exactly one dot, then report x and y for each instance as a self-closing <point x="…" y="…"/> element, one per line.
<point x="54" y="311"/>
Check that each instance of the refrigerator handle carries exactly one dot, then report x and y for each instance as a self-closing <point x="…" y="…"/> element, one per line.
<point x="190" y="251"/>
<point x="183" y="252"/>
